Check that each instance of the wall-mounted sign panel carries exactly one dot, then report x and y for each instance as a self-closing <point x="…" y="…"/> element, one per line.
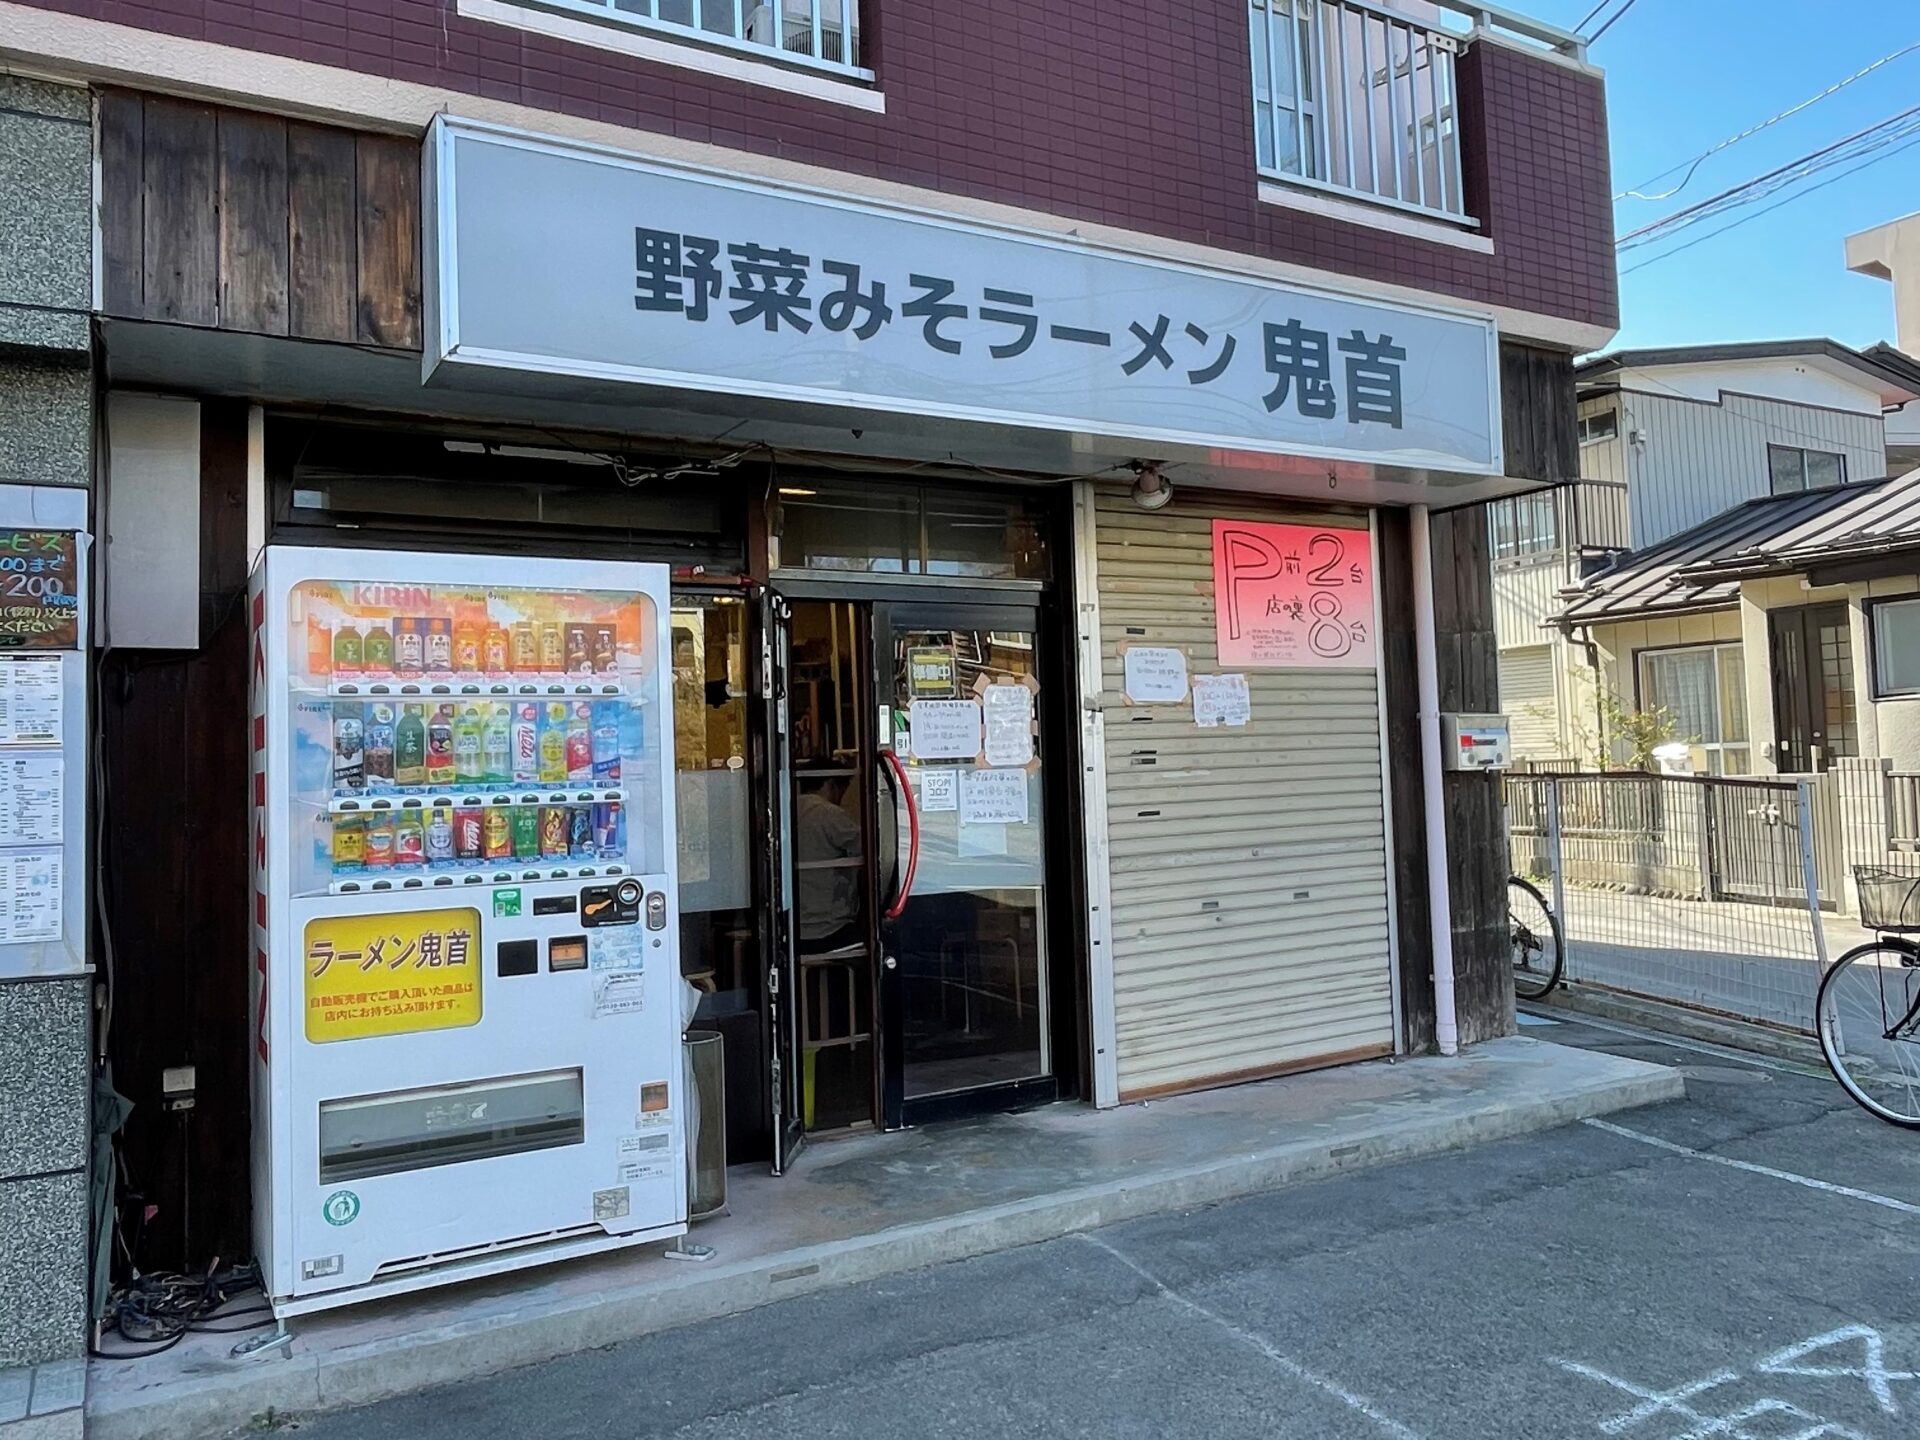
<point x="568" y="259"/>
<point x="1292" y="595"/>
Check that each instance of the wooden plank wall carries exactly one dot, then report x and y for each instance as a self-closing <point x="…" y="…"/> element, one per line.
<point x="1541" y="439"/>
<point x="238" y="221"/>
<point x="177" y="864"/>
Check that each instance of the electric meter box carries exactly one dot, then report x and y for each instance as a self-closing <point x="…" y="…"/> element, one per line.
<point x="466" y="983"/>
<point x="1475" y="742"/>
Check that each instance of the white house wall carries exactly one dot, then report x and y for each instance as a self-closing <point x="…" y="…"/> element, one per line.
<point x="1887" y="727"/>
<point x="1620" y="644"/>
<point x="1793" y="379"/>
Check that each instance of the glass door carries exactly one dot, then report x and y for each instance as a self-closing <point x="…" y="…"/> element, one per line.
<point x="963" y="990"/>
<point x="777" y="909"/>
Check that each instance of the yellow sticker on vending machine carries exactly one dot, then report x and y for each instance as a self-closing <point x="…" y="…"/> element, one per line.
<point x="394" y="974"/>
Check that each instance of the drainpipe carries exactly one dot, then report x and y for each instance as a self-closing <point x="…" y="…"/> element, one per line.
<point x="1446" y="1030"/>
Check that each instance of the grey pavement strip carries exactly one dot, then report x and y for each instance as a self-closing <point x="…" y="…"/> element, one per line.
<point x="1283" y="1361"/>
<point x="1903" y="1206"/>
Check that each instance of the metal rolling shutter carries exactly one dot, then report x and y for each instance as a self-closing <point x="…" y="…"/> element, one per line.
<point x="1248" y="867"/>
<point x="1526" y="695"/>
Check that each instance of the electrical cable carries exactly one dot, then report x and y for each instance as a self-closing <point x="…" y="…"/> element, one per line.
<point x="155" y="1312"/>
<point x="1617" y="15"/>
<point x="1693" y="165"/>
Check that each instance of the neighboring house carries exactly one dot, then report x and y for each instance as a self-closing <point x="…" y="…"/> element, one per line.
<point x="1891" y="252"/>
<point x="1669" y="440"/>
<point x="1782" y="635"/>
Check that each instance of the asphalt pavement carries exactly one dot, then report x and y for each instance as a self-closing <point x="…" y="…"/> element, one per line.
<point x="1744" y="1263"/>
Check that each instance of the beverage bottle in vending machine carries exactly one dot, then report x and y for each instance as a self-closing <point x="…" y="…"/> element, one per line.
<point x="349" y="654"/>
<point x="553" y="743"/>
<point x="469" y="762"/>
<point x="409" y="645"/>
<point x="609" y="830"/>
<point x="378" y="846"/>
<point x="580" y="831"/>
<point x="606" y="742"/>
<point x="554" y="833"/>
<point x="497" y="833"/>
<point x="410" y="748"/>
<point x="380" y="777"/>
<point x="553" y="650"/>
<point x="525" y="741"/>
<point x="379" y="648"/>
<point x="440" y="836"/>
<point x="466" y="647"/>
<point x="349" y="747"/>
<point x="605" y="656"/>
<point x="496" y="651"/>
<point x="496" y="746"/>
<point x="526" y="832"/>
<point x="579" y="657"/>
<point x="349" y="844"/>
<point x="440" y="764"/>
<point x="439" y="645"/>
<point x="524" y="648"/>
<point x="409" y="841"/>
<point x="580" y="744"/>
<point x="469" y="843"/>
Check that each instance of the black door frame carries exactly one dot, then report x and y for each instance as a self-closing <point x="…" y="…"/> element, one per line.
<point x="1797" y="680"/>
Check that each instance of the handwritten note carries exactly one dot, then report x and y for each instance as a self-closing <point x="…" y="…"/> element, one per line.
<point x="1009" y="721"/>
<point x="1155" y="674"/>
<point x="1221" y="700"/>
<point x="993" y="797"/>
<point x="945" y="729"/>
<point x="1292" y="595"/>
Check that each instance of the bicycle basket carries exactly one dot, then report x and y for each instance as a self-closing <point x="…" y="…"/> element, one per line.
<point x="1889" y="900"/>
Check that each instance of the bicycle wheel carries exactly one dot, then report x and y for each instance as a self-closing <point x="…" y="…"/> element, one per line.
<point x="1534" y="932"/>
<point x="1868" y="1016"/>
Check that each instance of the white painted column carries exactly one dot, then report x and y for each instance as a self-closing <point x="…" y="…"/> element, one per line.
<point x="1427" y="678"/>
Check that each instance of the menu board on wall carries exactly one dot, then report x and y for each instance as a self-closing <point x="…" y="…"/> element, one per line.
<point x="39" y="590"/>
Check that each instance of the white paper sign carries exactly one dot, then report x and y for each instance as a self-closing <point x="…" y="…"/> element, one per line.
<point x="30" y="702"/>
<point x="993" y="797"/>
<point x="939" y="790"/>
<point x="1221" y="700"/>
<point x="945" y="729"/>
<point x="1009" y="721"/>
<point x="30" y="799"/>
<point x="30" y="898"/>
<point x="1156" y="674"/>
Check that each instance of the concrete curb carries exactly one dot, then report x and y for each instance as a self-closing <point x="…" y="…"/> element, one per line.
<point x="1689" y="1023"/>
<point x="464" y="1350"/>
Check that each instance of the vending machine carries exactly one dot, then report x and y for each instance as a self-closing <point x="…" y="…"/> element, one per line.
<point x="466" y="973"/>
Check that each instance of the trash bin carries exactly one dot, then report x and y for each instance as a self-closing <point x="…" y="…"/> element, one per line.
<point x="707" y="1137"/>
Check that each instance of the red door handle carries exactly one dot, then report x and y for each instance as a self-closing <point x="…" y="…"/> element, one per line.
<point x="899" y="775"/>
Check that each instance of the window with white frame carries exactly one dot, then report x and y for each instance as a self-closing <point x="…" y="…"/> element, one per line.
<point x="1601" y="425"/>
<point x="817" y="34"/>
<point x="1704" y="689"/>
<point x="1358" y="97"/>
<point x="1895" y="626"/>
<point x="1790" y="469"/>
<point x="1524" y="525"/>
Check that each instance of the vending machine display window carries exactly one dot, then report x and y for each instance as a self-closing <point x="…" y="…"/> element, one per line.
<point x="449" y="735"/>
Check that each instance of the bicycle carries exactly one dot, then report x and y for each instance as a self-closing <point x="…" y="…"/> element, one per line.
<point x="1538" y="952"/>
<point x="1867" y="1010"/>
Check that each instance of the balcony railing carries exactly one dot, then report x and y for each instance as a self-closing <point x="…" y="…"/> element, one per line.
<point x="817" y="34"/>
<point x="1360" y="97"/>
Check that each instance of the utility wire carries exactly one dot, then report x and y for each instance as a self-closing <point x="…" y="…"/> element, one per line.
<point x="1693" y="165"/>
<point x="1594" y="38"/>
<point x="1581" y="24"/>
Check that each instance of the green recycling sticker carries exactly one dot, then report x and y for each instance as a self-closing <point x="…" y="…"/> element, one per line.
<point x="505" y="903"/>
<point x="341" y="1208"/>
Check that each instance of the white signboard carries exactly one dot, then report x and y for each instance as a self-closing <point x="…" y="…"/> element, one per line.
<point x="945" y="729"/>
<point x="31" y="701"/>
<point x="1221" y="700"/>
<point x="705" y="283"/>
<point x="1155" y="674"/>
<point x="32" y="788"/>
<point x="30" y="896"/>
<point x="1009" y="720"/>
<point x="993" y="797"/>
<point x="938" y="791"/>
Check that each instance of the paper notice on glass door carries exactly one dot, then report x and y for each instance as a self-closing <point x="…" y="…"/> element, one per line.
<point x="938" y="790"/>
<point x="30" y="898"/>
<point x="945" y="729"/>
<point x="1009" y="722"/>
<point x="30" y="799"/>
<point x="31" y="697"/>
<point x="993" y="797"/>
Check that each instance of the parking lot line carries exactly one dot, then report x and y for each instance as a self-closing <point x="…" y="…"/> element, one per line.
<point x="1887" y="1201"/>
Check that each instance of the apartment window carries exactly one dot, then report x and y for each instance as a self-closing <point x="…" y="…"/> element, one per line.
<point x="1895" y="626"/>
<point x="1602" y="425"/>
<point x="819" y="34"/>
<point x="1357" y="97"/>
<point x="1792" y="469"/>
<point x="1524" y="525"/>
<point x="1704" y="689"/>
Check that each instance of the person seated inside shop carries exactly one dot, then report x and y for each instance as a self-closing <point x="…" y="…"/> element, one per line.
<point x="829" y="893"/>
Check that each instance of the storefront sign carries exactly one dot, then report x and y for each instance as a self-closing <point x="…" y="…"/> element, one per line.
<point x="701" y="282"/>
<point x="1292" y="595"/>
<point x="931" y="673"/>
<point x="393" y="974"/>
<point x="39" y="590"/>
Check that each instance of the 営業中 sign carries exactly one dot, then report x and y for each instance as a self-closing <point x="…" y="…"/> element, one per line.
<point x="391" y="974"/>
<point x="713" y="284"/>
<point x="39" y="590"/>
<point x="1292" y="595"/>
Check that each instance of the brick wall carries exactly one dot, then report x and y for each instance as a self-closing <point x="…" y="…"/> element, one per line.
<point x="1139" y="120"/>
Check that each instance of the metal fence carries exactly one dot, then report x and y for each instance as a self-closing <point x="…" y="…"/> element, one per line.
<point x="1700" y="890"/>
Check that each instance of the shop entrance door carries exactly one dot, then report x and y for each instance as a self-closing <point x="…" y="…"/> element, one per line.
<point x="963" y="993"/>
<point x="777" y="885"/>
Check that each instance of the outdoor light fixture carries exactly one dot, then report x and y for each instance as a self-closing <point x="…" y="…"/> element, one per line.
<point x="1151" y="489"/>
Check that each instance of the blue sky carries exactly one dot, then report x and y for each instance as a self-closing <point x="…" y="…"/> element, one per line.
<point x="1683" y="75"/>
